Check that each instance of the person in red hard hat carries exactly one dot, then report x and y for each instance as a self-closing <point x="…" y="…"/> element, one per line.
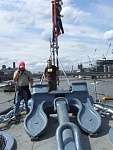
<point x="23" y="78"/>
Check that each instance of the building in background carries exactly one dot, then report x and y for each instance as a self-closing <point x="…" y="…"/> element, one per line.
<point x="104" y="65"/>
<point x="8" y="70"/>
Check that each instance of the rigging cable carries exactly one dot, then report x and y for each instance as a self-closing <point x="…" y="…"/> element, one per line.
<point x="63" y="70"/>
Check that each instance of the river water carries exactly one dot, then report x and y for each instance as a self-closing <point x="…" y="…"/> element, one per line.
<point x="103" y="87"/>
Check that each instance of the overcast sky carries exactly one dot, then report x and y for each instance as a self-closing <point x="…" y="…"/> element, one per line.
<point x="26" y="29"/>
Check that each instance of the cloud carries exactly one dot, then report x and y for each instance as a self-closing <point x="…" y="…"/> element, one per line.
<point x="74" y="15"/>
<point x="46" y="35"/>
<point x="108" y="35"/>
<point x="26" y="29"/>
<point x="102" y="14"/>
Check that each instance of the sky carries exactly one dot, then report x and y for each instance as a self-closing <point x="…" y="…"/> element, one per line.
<point x="26" y="31"/>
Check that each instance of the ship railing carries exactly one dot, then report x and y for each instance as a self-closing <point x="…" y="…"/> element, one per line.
<point x="104" y="108"/>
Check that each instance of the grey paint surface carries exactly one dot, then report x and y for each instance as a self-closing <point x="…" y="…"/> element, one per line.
<point x="48" y="140"/>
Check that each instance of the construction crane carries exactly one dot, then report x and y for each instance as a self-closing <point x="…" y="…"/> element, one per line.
<point x="105" y="56"/>
<point x="91" y="62"/>
<point x="94" y="56"/>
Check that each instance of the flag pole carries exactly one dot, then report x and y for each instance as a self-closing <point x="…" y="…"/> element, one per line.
<point x="55" y="34"/>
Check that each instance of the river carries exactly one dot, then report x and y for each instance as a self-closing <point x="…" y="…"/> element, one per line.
<point x="103" y="87"/>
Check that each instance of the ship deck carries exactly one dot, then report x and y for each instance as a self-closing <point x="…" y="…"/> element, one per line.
<point x="47" y="141"/>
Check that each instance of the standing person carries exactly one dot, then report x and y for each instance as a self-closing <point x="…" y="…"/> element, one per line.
<point x="23" y="78"/>
<point x="51" y="75"/>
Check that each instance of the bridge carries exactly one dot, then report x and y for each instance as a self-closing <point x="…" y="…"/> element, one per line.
<point x="74" y="74"/>
<point x="91" y="74"/>
<point x="84" y="74"/>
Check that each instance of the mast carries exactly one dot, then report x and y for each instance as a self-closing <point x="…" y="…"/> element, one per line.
<point x="57" y="28"/>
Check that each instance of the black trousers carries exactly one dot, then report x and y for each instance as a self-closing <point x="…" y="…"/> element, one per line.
<point x="52" y="85"/>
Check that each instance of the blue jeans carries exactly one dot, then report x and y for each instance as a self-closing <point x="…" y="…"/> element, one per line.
<point x="18" y="99"/>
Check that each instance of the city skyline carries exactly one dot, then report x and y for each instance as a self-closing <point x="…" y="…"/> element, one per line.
<point x="26" y="30"/>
